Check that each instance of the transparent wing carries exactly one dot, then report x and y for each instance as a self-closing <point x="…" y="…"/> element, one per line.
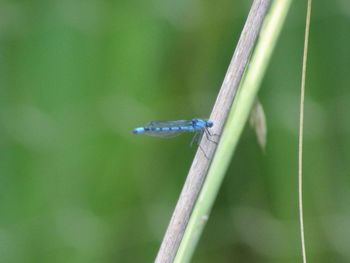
<point x="163" y="124"/>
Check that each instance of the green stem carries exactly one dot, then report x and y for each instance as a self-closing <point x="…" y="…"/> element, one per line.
<point x="238" y="116"/>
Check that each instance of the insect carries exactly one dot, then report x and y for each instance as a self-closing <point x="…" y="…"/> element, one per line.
<point x="167" y="129"/>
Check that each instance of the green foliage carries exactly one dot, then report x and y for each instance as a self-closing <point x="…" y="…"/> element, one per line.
<point x="77" y="186"/>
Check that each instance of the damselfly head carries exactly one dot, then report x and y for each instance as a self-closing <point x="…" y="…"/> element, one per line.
<point x="199" y="123"/>
<point x="209" y="124"/>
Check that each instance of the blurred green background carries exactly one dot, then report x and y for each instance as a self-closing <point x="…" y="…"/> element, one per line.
<point x="76" y="76"/>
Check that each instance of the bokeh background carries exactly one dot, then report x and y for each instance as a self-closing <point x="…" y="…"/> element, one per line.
<point x="76" y="76"/>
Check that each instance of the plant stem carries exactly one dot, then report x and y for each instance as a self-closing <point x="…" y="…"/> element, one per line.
<point x="301" y="129"/>
<point x="236" y="121"/>
<point x="201" y="162"/>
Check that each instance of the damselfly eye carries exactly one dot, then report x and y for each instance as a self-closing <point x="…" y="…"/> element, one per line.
<point x="210" y="124"/>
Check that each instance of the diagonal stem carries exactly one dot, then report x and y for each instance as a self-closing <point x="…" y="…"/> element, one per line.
<point x="200" y="164"/>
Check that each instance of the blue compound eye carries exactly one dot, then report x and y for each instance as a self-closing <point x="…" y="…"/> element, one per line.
<point x="210" y="124"/>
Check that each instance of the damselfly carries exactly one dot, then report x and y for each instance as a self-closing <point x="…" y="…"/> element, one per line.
<point x="168" y="129"/>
